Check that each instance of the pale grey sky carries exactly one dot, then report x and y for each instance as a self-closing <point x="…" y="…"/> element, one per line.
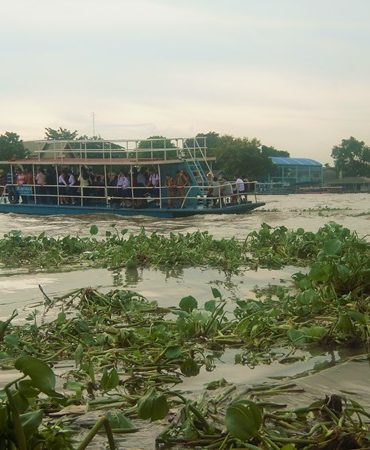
<point x="293" y="73"/>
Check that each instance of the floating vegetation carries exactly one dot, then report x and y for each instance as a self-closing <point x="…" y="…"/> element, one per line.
<point x="365" y="213"/>
<point x="120" y="249"/>
<point x="128" y="354"/>
<point x="320" y="209"/>
<point x="270" y="247"/>
<point x="276" y="247"/>
<point x="248" y="419"/>
<point x="124" y="355"/>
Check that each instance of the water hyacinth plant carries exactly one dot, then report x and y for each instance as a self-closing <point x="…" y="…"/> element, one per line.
<point x="126" y="356"/>
<point x="268" y="247"/>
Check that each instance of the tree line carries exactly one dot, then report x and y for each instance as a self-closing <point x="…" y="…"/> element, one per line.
<point x="235" y="156"/>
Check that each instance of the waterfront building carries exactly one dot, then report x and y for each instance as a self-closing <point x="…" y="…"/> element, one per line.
<point x="288" y="174"/>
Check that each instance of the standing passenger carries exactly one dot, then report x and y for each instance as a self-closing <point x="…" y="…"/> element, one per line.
<point x="171" y="190"/>
<point x="71" y="190"/>
<point x="181" y="181"/>
<point x="40" y="186"/>
<point x="21" y="180"/>
<point x="63" y="184"/>
<point x="239" y="188"/>
<point x="28" y="186"/>
<point x="153" y="185"/>
<point x="125" y="190"/>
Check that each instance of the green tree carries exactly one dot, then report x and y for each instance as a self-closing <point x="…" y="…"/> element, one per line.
<point x="99" y="143"/>
<point x="160" y="143"/>
<point x="11" y="147"/>
<point x="212" y="140"/>
<point x="352" y="158"/>
<point x="61" y="134"/>
<point x="272" y="151"/>
<point x="241" y="156"/>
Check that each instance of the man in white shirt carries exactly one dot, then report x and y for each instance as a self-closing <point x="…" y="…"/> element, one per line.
<point x="153" y="185"/>
<point x="239" y="190"/>
<point x="123" y="183"/>
<point x="239" y="185"/>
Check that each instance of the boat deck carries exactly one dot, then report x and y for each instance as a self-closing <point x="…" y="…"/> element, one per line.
<point x="49" y="210"/>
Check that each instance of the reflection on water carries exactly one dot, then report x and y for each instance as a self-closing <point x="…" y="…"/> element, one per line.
<point x="167" y="287"/>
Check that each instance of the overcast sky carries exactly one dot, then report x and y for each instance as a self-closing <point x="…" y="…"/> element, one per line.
<point x="293" y="73"/>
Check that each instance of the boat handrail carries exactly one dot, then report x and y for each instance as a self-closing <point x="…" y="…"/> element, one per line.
<point x="203" y="196"/>
<point x="167" y="149"/>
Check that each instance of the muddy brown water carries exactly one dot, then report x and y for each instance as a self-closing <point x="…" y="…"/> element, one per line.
<point x="309" y="211"/>
<point x="318" y="372"/>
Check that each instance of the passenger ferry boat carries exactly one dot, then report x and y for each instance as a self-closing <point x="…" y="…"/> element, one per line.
<point x="155" y="177"/>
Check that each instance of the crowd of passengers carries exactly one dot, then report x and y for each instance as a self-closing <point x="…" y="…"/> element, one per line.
<point x="121" y="189"/>
<point x="88" y="187"/>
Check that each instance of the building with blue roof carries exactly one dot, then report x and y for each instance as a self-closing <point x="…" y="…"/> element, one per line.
<point x="295" y="172"/>
<point x="288" y="174"/>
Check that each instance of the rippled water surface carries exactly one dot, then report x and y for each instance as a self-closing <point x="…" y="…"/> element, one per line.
<point x="309" y="211"/>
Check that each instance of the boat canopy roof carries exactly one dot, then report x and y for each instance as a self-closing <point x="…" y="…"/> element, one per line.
<point x="116" y="152"/>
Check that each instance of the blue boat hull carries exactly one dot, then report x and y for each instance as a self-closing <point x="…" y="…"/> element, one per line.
<point x="69" y="210"/>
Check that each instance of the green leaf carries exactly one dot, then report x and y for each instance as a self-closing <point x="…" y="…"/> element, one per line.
<point x="152" y="406"/>
<point x="357" y="316"/>
<point x="188" y="303"/>
<point x="26" y="388"/>
<point x="296" y="336"/>
<point x="3" y="419"/>
<point x="109" y="380"/>
<point x="42" y="376"/>
<point x="61" y="318"/>
<point x="11" y="341"/>
<point x="332" y="247"/>
<point x="75" y="386"/>
<point x="189" y="368"/>
<point x="79" y="354"/>
<point x="320" y="272"/>
<point x="210" y="306"/>
<point x="216" y="293"/>
<point x="94" y="230"/>
<point x="119" y="422"/>
<point x="173" y="352"/>
<point x="345" y="324"/>
<point x="20" y="402"/>
<point x="243" y="419"/>
<point x="315" y="332"/>
<point x="31" y="421"/>
<point x="302" y="281"/>
<point x="343" y="271"/>
<point x="306" y="334"/>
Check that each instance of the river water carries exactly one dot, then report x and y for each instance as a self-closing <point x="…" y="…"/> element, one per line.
<point x="309" y="211"/>
<point x="19" y="289"/>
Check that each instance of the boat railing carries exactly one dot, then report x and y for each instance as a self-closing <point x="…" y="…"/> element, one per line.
<point x="195" y="151"/>
<point x="198" y="197"/>
<point x="156" y="149"/>
<point x="221" y="194"/>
